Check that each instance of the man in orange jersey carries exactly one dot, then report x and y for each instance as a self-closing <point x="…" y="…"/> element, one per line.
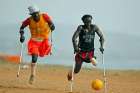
<point x="40" y="25"/>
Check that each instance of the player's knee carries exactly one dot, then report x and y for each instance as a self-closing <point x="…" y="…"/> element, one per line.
<point x="34" y="58"/>
<point x="76" y="70"/>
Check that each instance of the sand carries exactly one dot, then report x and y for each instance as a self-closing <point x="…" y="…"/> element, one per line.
<point x="52" y="79"/>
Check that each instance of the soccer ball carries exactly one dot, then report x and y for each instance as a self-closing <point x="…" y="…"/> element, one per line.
<point x="97" y="84"/>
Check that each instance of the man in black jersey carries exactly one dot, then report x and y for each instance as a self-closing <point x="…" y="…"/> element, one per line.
<point x="84" y="46"/>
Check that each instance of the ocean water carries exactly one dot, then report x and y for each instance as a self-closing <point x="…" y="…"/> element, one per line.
<point x="121" y="50"/>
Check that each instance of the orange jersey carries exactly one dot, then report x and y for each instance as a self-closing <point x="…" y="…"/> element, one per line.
<point x="40" y="29"/>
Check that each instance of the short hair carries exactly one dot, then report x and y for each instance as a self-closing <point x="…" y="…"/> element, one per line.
<point x="86" y="16"/>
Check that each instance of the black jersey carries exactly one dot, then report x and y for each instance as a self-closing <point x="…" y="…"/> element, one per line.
<point x="86" y="38"/>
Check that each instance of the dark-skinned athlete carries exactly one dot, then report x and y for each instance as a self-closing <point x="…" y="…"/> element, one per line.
<point x="40" y="26"/>
<point x="83" y="44"/>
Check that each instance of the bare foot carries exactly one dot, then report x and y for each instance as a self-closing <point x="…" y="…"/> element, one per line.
<point x="69" y="76"/>
<point x="31" y="79"/>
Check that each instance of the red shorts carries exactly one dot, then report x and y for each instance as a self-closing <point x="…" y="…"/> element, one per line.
<point x="40" y="48"/>
<point x="84" y="56"/>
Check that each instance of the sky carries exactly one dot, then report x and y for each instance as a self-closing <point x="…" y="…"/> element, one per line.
<point x="118" y="19"/>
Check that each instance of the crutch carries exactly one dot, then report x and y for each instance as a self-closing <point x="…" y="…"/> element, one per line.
<point x="71" y="82"/>
<point x="51" y="44"/>
<point x="20" y="61"/>
<point x="104" y="74"/>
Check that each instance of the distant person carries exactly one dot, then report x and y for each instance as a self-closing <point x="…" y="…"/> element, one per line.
<point x="40" y="25"/>
<point x="83" y="43"/>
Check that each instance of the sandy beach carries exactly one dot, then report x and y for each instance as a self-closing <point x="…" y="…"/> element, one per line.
<point x="52" y="79"/>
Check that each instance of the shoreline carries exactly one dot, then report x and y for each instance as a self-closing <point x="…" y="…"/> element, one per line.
<point x="65" y="66"/>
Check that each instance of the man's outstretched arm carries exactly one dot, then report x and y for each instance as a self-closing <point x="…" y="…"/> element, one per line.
<point x="74" y="39"/>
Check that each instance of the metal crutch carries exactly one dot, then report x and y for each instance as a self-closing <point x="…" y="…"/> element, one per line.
<point x="71" y="82"/>
<point x="20" y="61"/>
<point x="104" y="74"/>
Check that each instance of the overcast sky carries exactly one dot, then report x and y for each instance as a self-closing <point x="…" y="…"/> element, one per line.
<point x="116" y="15"/>
<point x="119" y="20"/>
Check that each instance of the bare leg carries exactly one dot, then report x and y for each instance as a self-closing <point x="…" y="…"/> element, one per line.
<point x="76" y="70"/>
<point x="33" y="68"/>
